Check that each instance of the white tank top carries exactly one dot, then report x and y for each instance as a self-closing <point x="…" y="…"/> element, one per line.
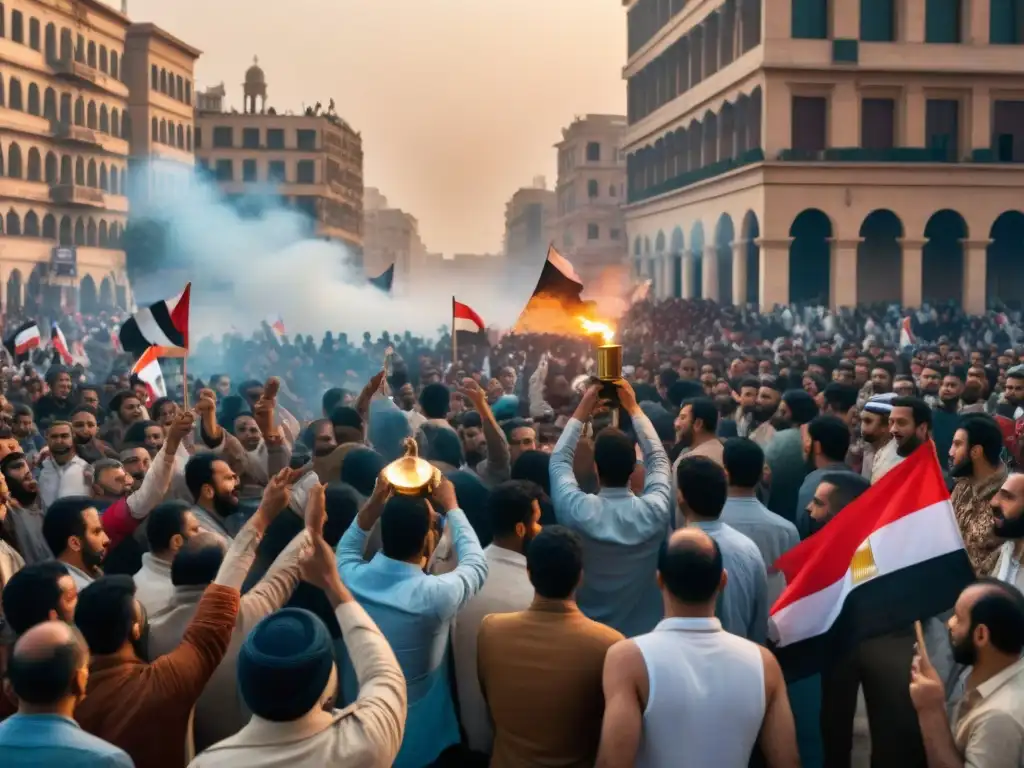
<point x="706" y="701"/>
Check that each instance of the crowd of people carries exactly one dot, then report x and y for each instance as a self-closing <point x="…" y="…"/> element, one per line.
<point x="231" y="579"/>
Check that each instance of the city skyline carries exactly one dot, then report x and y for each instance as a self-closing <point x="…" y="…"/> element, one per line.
<point x="447" y="142"/>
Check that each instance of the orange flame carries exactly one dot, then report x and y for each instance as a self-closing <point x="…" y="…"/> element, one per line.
<point x="593" y="327"/>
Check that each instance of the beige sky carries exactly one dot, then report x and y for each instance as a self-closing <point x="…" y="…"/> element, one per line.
<point x="458" y="101"/>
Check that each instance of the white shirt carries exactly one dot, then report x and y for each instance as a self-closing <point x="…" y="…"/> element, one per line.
<point x="506" y="590"/>
<point x="700" y="677"/>
<point x="57" y="482"/>
<point x="153" y="586"/>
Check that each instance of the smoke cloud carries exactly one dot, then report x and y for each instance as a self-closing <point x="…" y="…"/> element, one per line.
<point x="245" y="268"/>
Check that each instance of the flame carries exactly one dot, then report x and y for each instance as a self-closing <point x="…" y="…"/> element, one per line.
<point x="595" y="328"/>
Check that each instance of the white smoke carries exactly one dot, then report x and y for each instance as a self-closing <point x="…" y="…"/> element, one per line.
<point x="244" y="270"/>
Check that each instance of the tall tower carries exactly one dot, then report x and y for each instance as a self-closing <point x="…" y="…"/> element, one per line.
<point x="255" y="86"/>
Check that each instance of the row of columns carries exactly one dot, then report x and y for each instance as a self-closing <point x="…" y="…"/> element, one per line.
<point x="774" y="272"/>
<point x="710" y="284"/>
<point x="911" y="18"/>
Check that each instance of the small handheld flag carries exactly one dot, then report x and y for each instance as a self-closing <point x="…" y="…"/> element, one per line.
<point x="163" y="324"/>
<point x="147" y="368"/>
<point x="24" y="339"/>
<point x="60" y="344"/>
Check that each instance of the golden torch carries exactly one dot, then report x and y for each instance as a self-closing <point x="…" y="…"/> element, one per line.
<point x="609" y="358"/>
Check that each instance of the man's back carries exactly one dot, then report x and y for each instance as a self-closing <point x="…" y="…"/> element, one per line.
<point x="43" y="740"/>
<point x="540" y="671"/>
<point x="743" y="604"/>
<point x="773" y="535"/>
<point x="700" y="678"/>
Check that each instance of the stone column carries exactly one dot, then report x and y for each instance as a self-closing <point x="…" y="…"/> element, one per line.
<point x="911" y="21"/>
<point x="710" y="273"/>
<point x="689" y="289"/>
<point x="846" y="20"/>
<point x="912" y="281"/>
<point x="739" y="272"/>
<point x="978" y="20"/>
<point x="773" y="277"/>
<point x="843" y="272"/>
<point x="975" y="258"/>
<point x="912" y="124"/>
<point x="981" y="115"/>
<point x="844" y="123"/>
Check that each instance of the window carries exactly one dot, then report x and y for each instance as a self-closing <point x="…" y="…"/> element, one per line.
<point x="810" y="19"/>
<point x="942" y="128"/>
<point x="592" y="189"/>
<point x="942" y="21"/>
<point x="225" y="170"/>
<point x="34" y="34"/>
<point x="275" y="171"/>
<point x="222" y="136"/>
<point x="80" y="49"/>
<point x="307" y="140"/>
<point x="248" y="170"/>
<point x="615" y="234"/>
<point x="593" y="232"/>
<point x="275" y="138"/>
<point x="1006" y="22"/>
<point x="251" y="138"/>
<point x="593" y="152"/>
<point x="1008" y="129"/>
<point x="305" y="172"/>
<point x="114" y="71"/>
<point x="199" y="137"/>
<point x="809" y="123"/>
<point x="877" y="21"/>
<point x="154" y="77"/>
<point x="877" y="123"/>
<point x="613" y="191"/>
<point x="17" y="27"/>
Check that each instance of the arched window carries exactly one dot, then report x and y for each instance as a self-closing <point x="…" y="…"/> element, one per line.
<point x="188" y="138"/>
<point x="179" y="92"/>
<point x="31" y="223"/>
<point x="14" y="97"/>
<point x="80" y="111"/>
<point x="65" y="109"/>
<point x="115" y="122"/>
<point x="91" y="179"/>
<point x="90" y="120"/>
<point x="104" y="119"/>
<point x="49" y="227"/>
<point x="163" y="131"/>
<point x="80" y="172"/>
<point x="113" y="181"/>
<point x="17" y="27"/>
<point x="51" y="42"/>
<point x="66" y="176"/>
<point x="79" y="232"/>
<point x="33" y="100"/>
<point x="50" y="104"/>
<point x="114" y="68"/>
<point x="163" y="81"/>
<point x="104" y="61"/>
<point x="188" y="91"/>
<point x="126" y="124"/>
<point x="90" y="233"/>
<point x="80" y="49"/>
<point x="34" y="34"/>
<point x="34" y="165"/>
<point x="65" y="230"/>
<point x="51" y="168"/>
<point x="180" y="143"/>
<point x="14" y="161"/>
<point x="13" y="223"/>
<point x="66" y="45"/>
<point x="104" y="181"/>
<point x="104" y="238"/>
<point x="156" y="129"/>
<point x="154" y="78"/>
<point x="91" y="55"/>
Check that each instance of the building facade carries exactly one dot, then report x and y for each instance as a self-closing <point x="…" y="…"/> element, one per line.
<point x="530" y="217"/>
<point x="590" y="227"/>
<point x="848" y="152"/>
<point x="390" y="237"/>
<point x="64" y="146"/>
<point x="313" y="161"/>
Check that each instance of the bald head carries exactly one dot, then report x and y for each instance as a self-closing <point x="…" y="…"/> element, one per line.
<point x="690" y="567"/>
<point x="197" y="562"/>
<point x="49" y="664"/>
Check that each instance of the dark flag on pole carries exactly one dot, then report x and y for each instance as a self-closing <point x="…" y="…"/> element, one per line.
<point x="384" y="280"/>
<point x="556" y="303"/>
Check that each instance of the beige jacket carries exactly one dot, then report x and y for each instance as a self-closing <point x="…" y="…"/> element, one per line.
<point x="220" y="711"/>
<point x="366" y="734"/>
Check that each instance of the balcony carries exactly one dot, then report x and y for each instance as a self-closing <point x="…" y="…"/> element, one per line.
<point x="892" y="155"/>
<point x="173" y="154"/>
<point x="698" y="174"/>
<point x="82" y="74"/>
<point x="76" y="194"/>
<point x="76" y="133"/>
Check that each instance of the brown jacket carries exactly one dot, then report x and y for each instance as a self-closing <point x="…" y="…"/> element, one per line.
<point x="540" y="672"/>
<point x="145" y="708"/>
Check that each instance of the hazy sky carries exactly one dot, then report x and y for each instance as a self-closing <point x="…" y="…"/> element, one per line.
<point x="459" y="102"/>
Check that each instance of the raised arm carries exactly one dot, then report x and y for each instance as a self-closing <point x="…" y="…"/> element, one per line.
<point x="157" y="481"/>
<point x="626" y="688"/>
<point x="460" y="585"/>
<point x="568" y="498"/>
<point x="657" y="467"/>
<point x="497" y="466"/>
<point x="350" y="548"/>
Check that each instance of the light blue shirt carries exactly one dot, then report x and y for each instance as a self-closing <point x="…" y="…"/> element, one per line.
<point x="415" y="611"/>
<point x="29" y="741"/>
<point x="743" y="604"/>
<point x="773" y="535"/>
<point x="622" y="533"/>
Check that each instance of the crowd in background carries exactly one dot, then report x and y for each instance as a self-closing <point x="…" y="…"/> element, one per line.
<point x="238" y="582"/>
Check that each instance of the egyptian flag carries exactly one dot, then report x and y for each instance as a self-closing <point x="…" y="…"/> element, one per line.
<point x="906" y="334"/>
<point x="147" y="368"/>
<point x="891" y="557"/>
<point x="60" y="344"/>
<point x="384" y="280"/>
<point x="468" y="326"/>
<point x="555" y="305"/>
<point x="23" y="340"/>
<point x="164" y="325"/>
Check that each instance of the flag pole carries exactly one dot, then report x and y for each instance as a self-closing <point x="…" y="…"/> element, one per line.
<point x="184" y="377"/>
<point x="455" y="344"/>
